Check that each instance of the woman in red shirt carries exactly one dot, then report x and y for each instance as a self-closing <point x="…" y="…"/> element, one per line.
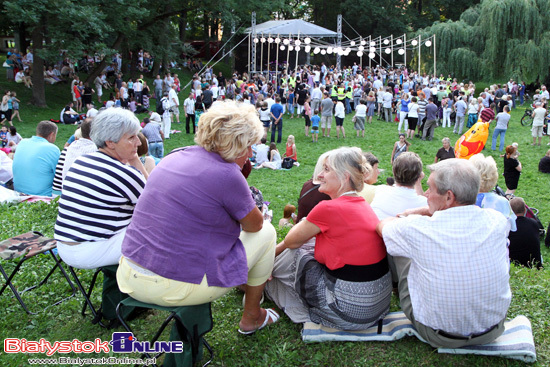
<point x="291" y="148"/>
<point x="345" y="283"/>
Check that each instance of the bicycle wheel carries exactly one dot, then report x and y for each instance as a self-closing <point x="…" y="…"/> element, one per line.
<point x="527" y="120"/>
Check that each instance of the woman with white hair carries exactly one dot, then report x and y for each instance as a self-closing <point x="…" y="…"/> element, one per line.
<point x="345" y="283"/>
<point x="197" y="214"/>
<point x="486" y="198"/>
<point x="100" y="192"/>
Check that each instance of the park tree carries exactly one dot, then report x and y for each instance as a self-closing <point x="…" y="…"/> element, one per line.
<point x="53" y="27"/>
<point x="495" y="39"/>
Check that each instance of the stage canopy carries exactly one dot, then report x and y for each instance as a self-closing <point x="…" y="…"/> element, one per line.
<point x="293" y="27"/>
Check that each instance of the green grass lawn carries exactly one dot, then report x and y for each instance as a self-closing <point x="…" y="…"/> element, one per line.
<point x="280" y="344"/>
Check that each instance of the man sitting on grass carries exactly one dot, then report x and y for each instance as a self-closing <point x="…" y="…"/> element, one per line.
<point x="452" y="261"/>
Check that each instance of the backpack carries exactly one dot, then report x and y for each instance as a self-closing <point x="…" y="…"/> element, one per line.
<point x="160" y="108"/>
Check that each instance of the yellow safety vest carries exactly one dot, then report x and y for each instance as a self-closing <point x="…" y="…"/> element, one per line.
<point x="341" y="94"/>
<point x="292" y="81"/>
<point x="334" y="92"/>
<point x="349" y="95"/>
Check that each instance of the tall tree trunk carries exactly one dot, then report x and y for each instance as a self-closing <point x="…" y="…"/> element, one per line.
<point x="21" y="38"/>
<point x="133" y="63"/>
<point x="38" y="91"/>
<point x="156" y="67"/>
<point x="125" y="55"/>
<point x="183" y="25"/>
<point x="103" y="64"/>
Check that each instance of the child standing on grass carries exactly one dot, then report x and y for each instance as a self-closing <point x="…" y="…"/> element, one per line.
<point x="290" y="101"/>
<point x="4" y="136"/>
<point x="315" y="126"/>
<point x="15" y="104"/>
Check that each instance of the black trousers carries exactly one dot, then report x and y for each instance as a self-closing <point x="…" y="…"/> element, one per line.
<point x="187" y="118"/>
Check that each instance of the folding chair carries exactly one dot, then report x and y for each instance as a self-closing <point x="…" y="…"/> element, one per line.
<point x="28" y="245"/>
<point x="87" y="294"/>
<point x="191" y="323"/>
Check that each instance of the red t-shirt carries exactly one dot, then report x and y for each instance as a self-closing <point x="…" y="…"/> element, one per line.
<point x="348" y="233"/>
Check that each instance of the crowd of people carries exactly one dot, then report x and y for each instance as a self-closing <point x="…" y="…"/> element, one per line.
<point x="351" y="243"/>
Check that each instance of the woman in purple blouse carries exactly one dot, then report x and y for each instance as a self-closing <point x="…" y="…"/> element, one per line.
<point x="196" y="227"/>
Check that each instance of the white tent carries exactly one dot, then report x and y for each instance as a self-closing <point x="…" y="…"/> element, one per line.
<point x="293" y="27"/>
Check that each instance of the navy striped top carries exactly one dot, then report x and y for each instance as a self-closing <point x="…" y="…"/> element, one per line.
<point x="98" y="198"/>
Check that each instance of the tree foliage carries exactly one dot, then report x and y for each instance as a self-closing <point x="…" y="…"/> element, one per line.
<point x="497" y="38"/>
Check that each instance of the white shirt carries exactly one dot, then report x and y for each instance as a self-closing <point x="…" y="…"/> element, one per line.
<point x="6" y="172"/>
<point x="392" y="200"/>
<point x="173" y="98"/>
<point x="545" y="94"/>
<point x="189" y="105"/>
<point x="92" y="112"/>
<point x="316" y="94"/>
<point x="214" y="90"/>
<point x="377" y="84"/>
<point x="339" y="110"/>
<point x="361" y="110"/>
<point x="387" y="99"/>
<point x="138" y="86"/>
<point x="459" y="274"/>
<point x="538" y="116"/>
<point x="261" y="153"/>
<point x="270" y="102"/>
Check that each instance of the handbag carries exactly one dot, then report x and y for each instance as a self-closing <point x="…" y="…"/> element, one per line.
<point x="453" y="115"/>
<point x="5" y="64"/>
<point x="287" y="163"/>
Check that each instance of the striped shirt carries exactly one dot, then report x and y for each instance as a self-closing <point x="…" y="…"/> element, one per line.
<point x="98" y="198"/>
<point x="487" y="114"/>
<point x="58" y="178"/>
<point x="422" y="103"/>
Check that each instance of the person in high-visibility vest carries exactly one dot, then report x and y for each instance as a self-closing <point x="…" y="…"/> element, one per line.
<point x="341" y="92"/>
<point x="349" y="97"/>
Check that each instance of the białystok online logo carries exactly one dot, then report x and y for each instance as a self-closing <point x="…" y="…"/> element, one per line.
<point x="120" y="343"/>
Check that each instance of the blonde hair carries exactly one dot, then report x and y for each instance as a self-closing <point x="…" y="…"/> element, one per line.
<point x="229" y="128"/>
<point x="346" y="160"/>
<point x="488" y="171"/>
<point x="291" y="138"/>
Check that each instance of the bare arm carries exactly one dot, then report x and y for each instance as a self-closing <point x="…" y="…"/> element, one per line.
<point x="253" y="221"/>
<point x="393" y="152"/>
<point x="136" y="162"/>
<point x="298" y="235"/>
<point x="518" y="167"/>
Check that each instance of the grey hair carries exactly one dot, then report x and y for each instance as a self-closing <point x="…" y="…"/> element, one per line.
<point x="346" y="160"/>
<point x="111" y="124"/>
<point x="446" y="140"/>
<point x="459" y="176"/>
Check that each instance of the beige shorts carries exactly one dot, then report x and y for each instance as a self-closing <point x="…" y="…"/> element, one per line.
<point x="536" y="132"/>
<point x="326" y="122"/>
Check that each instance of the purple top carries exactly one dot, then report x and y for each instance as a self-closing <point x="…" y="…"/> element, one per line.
<point x="186" y="222"/>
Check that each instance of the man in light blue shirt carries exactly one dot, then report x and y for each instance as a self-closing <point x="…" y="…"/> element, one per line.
<point x="35" y="160"/>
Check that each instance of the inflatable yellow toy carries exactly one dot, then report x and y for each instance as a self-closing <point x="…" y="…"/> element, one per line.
<point x="473" y="140"/>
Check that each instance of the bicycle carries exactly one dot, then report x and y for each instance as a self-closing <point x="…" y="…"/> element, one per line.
<point x="527" y="118"/>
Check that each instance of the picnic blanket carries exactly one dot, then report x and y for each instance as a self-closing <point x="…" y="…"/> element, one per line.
<point x="516" y="342"/>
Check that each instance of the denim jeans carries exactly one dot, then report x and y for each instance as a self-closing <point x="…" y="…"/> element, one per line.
<point x="279" y="128"/>
<point x="156" y="149"/>
<point x="502" y="133"/>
